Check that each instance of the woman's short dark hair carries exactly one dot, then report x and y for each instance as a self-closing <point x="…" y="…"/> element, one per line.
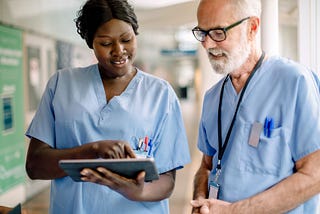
<point x="96" y="12"/>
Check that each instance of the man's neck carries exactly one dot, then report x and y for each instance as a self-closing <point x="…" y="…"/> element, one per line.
<point x="240" y="76"/>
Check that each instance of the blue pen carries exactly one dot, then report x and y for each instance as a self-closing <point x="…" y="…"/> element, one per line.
<point x="150" y="148"/>
<point x="268" y="126"/>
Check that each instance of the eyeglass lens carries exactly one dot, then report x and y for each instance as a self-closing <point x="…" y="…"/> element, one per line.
<point x="218" y="34"/>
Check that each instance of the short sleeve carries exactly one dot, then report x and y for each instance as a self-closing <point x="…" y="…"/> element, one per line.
<point x="203" y="143"/>
<point x="306" y="129"/>
<point x="173" y="150"/>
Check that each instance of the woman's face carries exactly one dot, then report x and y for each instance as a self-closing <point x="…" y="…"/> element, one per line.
<point x="115" y="45"/>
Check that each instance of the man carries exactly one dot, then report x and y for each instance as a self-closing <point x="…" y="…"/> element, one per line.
<point x="259" y="130"/>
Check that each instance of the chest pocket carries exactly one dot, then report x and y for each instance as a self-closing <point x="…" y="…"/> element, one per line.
<point x="272" y="156"/>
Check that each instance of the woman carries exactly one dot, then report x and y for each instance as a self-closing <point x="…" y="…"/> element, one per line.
<point x="103" y="111"/>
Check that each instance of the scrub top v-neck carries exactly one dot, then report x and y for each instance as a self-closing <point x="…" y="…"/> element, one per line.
<point x="100" y="91"/>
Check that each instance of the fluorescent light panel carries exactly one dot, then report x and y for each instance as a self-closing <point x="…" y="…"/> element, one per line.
<point x="152" y="4"/>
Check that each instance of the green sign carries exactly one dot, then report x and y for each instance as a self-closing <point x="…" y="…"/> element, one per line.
<point x="12" y="145"/>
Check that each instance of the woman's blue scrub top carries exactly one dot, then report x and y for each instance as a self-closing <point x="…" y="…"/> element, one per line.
<point x="74" y="111"/>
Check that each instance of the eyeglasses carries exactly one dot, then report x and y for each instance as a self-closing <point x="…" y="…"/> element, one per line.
<point x="218" y="34"/>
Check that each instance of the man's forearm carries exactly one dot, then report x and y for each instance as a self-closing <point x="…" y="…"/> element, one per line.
<point x="201" y="184"/>
<point x="286" y="195"/>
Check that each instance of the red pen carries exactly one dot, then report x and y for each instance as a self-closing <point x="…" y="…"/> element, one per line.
<point x="146" y="143"/>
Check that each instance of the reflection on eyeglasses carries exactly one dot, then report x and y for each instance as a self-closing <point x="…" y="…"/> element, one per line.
<point x="218" y="34"/>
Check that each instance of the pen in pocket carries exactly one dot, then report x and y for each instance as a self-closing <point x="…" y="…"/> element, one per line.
<point x="268" y="126"/>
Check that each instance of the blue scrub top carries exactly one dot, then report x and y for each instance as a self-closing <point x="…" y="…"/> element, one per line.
<point x="74" y="111"/>
<point x="282" y="90"/>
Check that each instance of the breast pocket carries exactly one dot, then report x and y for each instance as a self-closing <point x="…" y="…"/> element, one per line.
<point x="267" y="157"/>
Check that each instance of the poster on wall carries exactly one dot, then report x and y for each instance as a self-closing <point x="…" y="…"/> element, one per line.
<point x="12" y="146"/>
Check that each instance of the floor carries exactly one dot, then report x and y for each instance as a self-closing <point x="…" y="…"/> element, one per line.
<point x="179" y="201"/>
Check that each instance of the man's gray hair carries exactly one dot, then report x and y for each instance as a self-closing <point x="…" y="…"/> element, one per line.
<point x="244" y="8"/>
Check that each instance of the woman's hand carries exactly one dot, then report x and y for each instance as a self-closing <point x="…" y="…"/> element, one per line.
<point x="129" y="188"/>
<point x="112" y="149"/>
<point x="43" y="160"/>
<point x="133" y="189"/>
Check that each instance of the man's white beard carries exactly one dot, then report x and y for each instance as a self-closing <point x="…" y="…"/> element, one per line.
<point x="233" y="59"/>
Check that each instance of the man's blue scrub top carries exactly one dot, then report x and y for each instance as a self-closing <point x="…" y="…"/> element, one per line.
<point x="74" y="111"/>
<point x="282" y="90"/>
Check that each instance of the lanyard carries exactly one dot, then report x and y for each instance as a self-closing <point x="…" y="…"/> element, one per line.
<point x="222" y="147"/>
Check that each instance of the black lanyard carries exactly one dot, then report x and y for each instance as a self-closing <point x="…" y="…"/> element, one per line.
<point x="222" y="147"/>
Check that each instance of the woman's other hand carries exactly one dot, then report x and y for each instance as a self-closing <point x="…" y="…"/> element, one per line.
<point x="112" y="149"/>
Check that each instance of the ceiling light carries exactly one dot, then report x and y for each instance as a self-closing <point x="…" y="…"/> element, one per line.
<point x="147" y="4"/>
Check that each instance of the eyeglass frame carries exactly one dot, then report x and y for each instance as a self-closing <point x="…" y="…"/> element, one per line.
<point x="223" y="29"/>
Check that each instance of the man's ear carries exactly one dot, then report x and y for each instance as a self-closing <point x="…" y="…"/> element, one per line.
<point x="253" y="27"/>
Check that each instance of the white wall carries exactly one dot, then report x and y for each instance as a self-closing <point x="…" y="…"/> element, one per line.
<point x="288" y="41"/>
<point x="308" y="33"/>
<point x="270" y="26"/>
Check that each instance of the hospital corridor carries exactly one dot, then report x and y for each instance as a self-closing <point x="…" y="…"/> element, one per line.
<point x="38" y="38"/>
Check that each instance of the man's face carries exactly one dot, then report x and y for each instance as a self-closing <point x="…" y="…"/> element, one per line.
<point x="228" y="55"/>
<point x="226" y="61"/>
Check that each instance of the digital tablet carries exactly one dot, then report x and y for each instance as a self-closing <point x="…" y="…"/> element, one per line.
<point x="125" y="167"/>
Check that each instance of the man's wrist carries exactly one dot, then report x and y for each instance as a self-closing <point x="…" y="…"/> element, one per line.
<point x="199" y="196"/>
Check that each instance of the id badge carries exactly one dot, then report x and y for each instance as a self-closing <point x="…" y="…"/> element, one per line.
<point x="214" y="190"/>
<point x="214" y="186"/>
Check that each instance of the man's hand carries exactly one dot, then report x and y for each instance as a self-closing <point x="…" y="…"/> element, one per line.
<point x="210" y="206"/>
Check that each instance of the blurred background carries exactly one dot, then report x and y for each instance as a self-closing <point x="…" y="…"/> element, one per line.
<point x="37" y="37"/>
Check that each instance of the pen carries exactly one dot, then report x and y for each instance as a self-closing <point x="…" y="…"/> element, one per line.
<point x="150" y="147"/>
<point x="268" y="126"/>
<point x="140" y="143"/>
<point x="145" y="143"/>
<point x="265" y="126"/>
